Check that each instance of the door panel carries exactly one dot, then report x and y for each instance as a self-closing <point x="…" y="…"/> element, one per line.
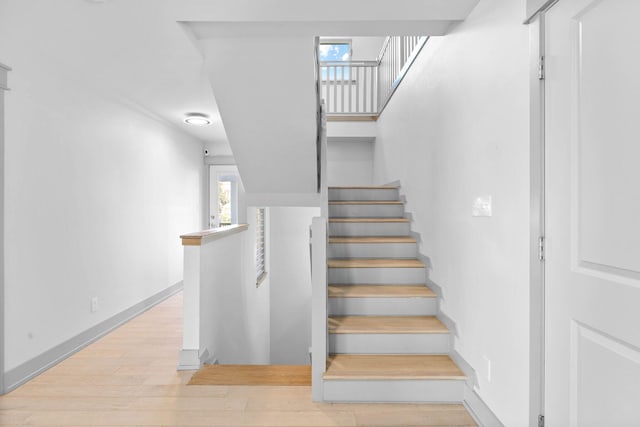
<point x="592" y="217"/>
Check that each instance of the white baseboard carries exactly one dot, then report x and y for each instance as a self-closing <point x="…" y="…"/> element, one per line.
<point x="479" y="410"/>
<point x="193" y="359"/>
<point x="481" y="413"/>
<point x="34" y="367"/>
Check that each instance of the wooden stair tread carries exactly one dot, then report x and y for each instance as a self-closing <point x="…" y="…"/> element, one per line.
<point x="374" y="263"/>
<point x="371" y="239"/>
<point x="386" y="325"/>
<point x="391" y="367"/>
<point x="380" y="291"/>
<point x="365" y="187"/>
<point x="373" y="219"/>
<point x="366" y="202"/>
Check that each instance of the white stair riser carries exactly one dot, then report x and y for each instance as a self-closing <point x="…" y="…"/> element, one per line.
<point x="418" y="391"/>
<point x="366" y="211"/>
<point x="369" y="228"/>
<point x="389" y="343"/>
<point x="376" y="276"/>
<point x="372" y="250"/>
<point x="382" y="306"/>
<point x="363" y="194"/>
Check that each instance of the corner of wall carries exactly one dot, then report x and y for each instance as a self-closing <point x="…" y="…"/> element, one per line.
<point x="3" y="86"/>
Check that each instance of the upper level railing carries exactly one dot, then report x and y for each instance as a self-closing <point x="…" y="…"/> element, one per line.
<point x="349" y="87"/>
<point x="363" y="88"/>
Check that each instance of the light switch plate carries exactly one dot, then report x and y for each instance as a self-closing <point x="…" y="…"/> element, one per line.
<point x="481" y="206"/>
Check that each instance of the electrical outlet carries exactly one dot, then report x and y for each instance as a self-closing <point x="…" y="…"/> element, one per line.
<point x="487" y="363"/>
<point x="94" y="304"/>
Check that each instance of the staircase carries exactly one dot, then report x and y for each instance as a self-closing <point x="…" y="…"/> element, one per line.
<point x="385" y="342"/>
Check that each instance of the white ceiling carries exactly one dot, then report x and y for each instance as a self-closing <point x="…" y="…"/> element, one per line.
<point x="139" y="52"/>
<point x="134" y="51"/>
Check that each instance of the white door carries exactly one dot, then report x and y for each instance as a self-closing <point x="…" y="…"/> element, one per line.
<point x="225" y="191"/>
<point x="592" y="267"/>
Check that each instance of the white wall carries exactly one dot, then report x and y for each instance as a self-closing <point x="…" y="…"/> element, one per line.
<point x="458" y="128"/>
<point x="258" y="115"/>
<point x="234" y="313"/>
<point x="96" y="197"/>
<point x="366" y="48"/>
<point x="349" y="163"/>
<point x="290" y="276"/>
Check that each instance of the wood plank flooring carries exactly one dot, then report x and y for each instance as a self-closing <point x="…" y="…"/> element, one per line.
<point x="129" y="378"/>
<point x="353" y="366"/>
<point x="386" y="325"/>
<point x="374" y="263"/>
<point x="372" y="239"/>
<point x="366" y="187"/>
<point x="368" y="220"/>
<point x="380" y="291"/>
<point x="280" y="375"/>
<point x="366" y="202"/>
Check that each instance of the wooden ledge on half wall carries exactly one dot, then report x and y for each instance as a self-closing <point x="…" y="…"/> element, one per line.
<point x="200" y="238"/>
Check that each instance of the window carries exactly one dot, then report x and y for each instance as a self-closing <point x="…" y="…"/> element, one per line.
<point x="334" y="50"/>
<point x="224" y="203"/>
<point x="261" y="272"/>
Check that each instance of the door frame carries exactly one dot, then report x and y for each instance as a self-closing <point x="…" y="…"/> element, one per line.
<point x="4" y="70"/>
<point x="213" y="172"/>
<point x="537" y="197"/>
<point x="537" y="319"/>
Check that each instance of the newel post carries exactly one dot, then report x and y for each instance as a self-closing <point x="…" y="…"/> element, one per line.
<point x="319" y="335"/>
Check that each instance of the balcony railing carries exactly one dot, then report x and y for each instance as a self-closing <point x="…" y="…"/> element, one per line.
<point x="349" y="87"/>
<point x="363" y="88"/>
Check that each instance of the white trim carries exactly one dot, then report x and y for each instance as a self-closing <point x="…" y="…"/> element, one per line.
<point x="537" y="227"/>
<point x="3" y="86"/>
<point x="479" y="410"/>
<point x="193" y="359"/>
<point x="481" y="413"/>
<point x="34" y="367"/>
<point x="337" y="40"/>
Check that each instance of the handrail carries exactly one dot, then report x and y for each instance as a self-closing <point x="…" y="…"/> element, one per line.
<point x="364" y="87"/>
<point x="385" y="45"/>
<point x="316" y="59"/>
<point x="404" y="51"/>
<point x="200" y="238"/>
<point x="349" y="87"/>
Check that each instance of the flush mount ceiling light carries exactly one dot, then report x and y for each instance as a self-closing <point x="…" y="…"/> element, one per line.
<point x="197" y="119"/>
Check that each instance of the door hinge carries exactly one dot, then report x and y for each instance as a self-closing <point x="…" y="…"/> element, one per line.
<point x="540" y="420"/>
<point x="541" y="68"/>
<point x="541" y="248"/>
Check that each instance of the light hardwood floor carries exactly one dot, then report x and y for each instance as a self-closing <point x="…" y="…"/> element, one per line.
<point x="129" y="378"/>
